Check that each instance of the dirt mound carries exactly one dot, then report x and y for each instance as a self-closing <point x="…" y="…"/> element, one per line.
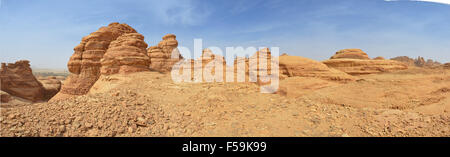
<point x="351" y="54"/>
<point x="363" y="67"/>
<point x="126" y="54"/>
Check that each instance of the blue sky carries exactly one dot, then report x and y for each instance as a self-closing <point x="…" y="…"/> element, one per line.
<point x="46" y="31"/>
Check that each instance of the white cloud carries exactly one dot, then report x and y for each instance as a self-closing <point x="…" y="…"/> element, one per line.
<point x="433" y="1"/>
<point x="436" y="1"/>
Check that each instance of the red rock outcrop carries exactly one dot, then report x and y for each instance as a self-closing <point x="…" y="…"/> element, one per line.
<point x="351" y="54"/>
<point x="84" y="65"/>
<point x="161" y="59"/>
<point x="18" y="80"/>
<point x="295" y="66"/>
<point x="126" y="54"/>
<point x="362" y="67"/>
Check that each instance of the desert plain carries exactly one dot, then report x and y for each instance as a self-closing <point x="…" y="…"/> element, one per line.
<point x="119" y="86"/>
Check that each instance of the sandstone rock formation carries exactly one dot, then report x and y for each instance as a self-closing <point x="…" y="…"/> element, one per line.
<point x="379" y="58"/>
<point x="292" y="66"/>
<point x="447" y="65"/>
<point x="84" y="65"/>
<point x="209" y="63"/>
<point x="362" y="67"/>
<point x="4" y="97"/>
<point x="165" y="54"/>
<point x="52" y="86"/>
<point x="350" y="53"/>
<point x="126" y="54"/>
<point x="18" y="80"/>
<point x="357" y="62"/>
<point x="262" y="65"/>
<point x="418" y="62"/>
<point x="404" y="59"/>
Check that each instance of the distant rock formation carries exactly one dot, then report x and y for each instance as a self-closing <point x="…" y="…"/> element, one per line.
<point x="126" y="54"/>
<point x="446" y="65"/>
<point x="292" y="66"/>
<point x="18" y="80"/>
<point x="379" y="58"/>
<point x="357" y="62"/>
<point x="161" y="55"/>
<point x="350" y="54"/>
<point x="363" y="67"/>
<point x="418" y="62"/>
<point x="85" y="64"/>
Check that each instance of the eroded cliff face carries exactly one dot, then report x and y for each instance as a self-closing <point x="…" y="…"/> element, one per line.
<point x="164" y="55"/>
<point x="85" y="63"/>
<point x="18" y="80"/>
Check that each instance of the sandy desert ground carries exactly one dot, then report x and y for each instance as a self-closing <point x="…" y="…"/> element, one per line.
<point x="414" y="102"/>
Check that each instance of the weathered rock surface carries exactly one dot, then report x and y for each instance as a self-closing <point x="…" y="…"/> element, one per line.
<point x="292" y="66"/>
<point x="362" y="67"/>
<point x="446" y="65"/>
<point x="351" y="54"/>
<point x="126" y="54"/>
<point x="84" y="65"/>
<point x="165" y="54"/>
<point x="18" y="80"/>
<point x="4" y="97"/>
<point x="52" y="86"/>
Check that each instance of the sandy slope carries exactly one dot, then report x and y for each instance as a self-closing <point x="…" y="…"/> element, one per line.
<point x="408" y="103"/>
